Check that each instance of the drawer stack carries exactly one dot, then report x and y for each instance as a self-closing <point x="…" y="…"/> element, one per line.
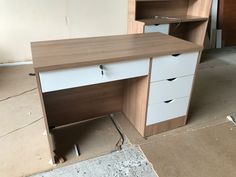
<point x="170" y="87"/>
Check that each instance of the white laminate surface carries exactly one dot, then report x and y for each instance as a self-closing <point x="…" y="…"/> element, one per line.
<point x="83" y="76"/>
<point x="165" y="111"/>
<point x="167" y="67"/>
<point x="163" y="28"/>
<point x="170" y="89"/>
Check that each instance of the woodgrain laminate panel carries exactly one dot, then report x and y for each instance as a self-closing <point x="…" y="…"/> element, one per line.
<point x="172" y="19"/>
<point x="135" y="101"/>
<point x="199" y="8"/>
<point x="49" y="135"/>
<point x="164" y="126"/>
<point x="57" y="54"/>
<point x="135" y="27"/>
<point x="74" y="105"/>
<point x="187" y="12"/>
<point x="149" y="9"/>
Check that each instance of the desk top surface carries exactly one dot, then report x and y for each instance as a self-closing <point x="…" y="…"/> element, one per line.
<point x="57" y="54"/>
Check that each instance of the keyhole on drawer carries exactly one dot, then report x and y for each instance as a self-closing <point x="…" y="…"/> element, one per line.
<point x="176" y="55"/>
<point x="102" y="68"/>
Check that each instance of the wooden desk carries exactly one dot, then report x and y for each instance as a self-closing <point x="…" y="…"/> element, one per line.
<point x="148" y="77"/>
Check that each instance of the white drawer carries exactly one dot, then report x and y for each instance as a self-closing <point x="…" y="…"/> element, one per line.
<point x="163" y="28"/>
<point x="166" y="111"/>
<point x="167" y="67"/>
<point x="82" y="76"/>
<point x="170" y="89"/>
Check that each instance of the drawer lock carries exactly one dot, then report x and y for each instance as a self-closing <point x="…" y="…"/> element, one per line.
<point x="102" y="69"/>
<point x="176" y="55"/>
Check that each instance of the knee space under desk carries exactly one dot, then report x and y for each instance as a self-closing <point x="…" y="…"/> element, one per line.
<point x="78" y="104"/>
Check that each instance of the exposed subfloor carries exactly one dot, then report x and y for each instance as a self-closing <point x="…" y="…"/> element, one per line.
<point x="204" y="147"/>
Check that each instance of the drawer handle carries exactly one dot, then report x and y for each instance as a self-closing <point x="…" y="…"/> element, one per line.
<point x="168" y="101"/>
<point x="172" y="79"/>
<point x="102" y="69"/>
<point x="176" y="55"/>
<point x="156" y="24"/>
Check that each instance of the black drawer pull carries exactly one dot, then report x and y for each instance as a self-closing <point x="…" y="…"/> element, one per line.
<point x="171" y="79"/>
<point x="168" y="101"/>
<point x="156" y="24"/>
<point x="176" y="55"/>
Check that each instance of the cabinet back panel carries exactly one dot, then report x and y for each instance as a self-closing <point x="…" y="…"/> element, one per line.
<point x="161" y="8"/>
<point x="191" y="31"/>
<point x="74" y="105"/>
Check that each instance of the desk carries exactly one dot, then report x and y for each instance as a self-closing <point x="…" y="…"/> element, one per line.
<point x="148" y="77"/>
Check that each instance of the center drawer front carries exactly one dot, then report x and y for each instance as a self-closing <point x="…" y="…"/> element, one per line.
<point x="170" y="89"/>
<point x="77" y="77"/>
<point x="165" y="111"/>
<point x="167" y="67"/>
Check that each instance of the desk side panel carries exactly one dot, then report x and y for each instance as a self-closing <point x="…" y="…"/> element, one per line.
<point x="135" y="102"/>
<point x="49" y="135"/>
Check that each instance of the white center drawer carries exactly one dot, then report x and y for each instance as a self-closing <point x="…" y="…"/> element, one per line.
<point x="170" y="89"/>
<point x="167" y="67"/>
<point x="165" y="111"/>
<point x="163" y="28"/>
<point x="77" y="77"/>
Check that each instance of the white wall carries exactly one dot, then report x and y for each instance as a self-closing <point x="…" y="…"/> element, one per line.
<point x="23" y="21"/>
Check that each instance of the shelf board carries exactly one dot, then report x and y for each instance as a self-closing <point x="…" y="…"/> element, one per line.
<point x="176" y="19"/>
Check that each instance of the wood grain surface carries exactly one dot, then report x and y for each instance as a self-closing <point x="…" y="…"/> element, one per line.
<point x="57" y="54"/>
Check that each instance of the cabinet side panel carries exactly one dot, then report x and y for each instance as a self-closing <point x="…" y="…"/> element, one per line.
<point x="191" y="31"/>
<point x="135" y="102"/>
<point x="135" y="27"/>
<point x="49" y="135"/>
<point x="199" y="8"/>
<point x="197" y="31"/>
<point x="131" y="10"/>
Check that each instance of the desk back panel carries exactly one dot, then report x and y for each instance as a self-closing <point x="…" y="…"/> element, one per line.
<point x="78" y="104"/>
<point x="149" y="9"/>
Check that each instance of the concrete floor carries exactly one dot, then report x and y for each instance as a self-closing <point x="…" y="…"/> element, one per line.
<point x="205" y="147"/>
<point x="129" y="162"/>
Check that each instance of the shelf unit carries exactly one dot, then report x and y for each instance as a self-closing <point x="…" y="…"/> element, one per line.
<point x="186" y="19"/>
